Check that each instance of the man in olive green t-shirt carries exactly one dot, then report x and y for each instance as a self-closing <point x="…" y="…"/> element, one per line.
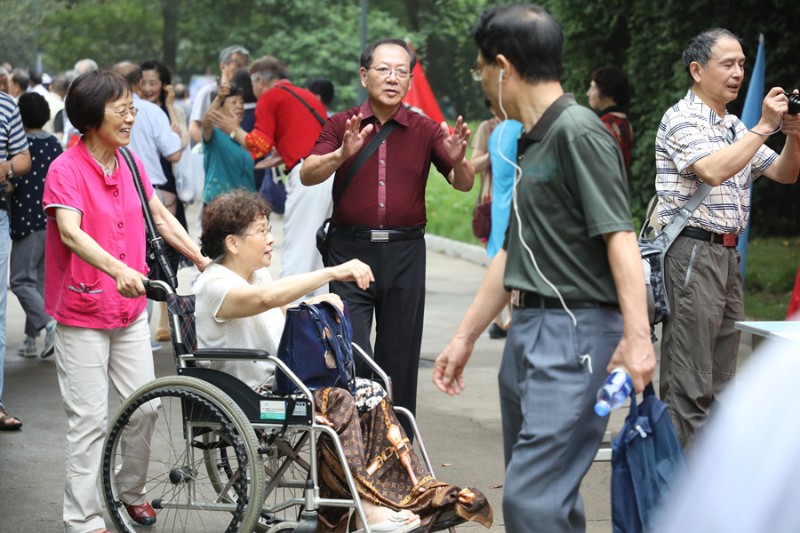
<point x="571" y="268"/>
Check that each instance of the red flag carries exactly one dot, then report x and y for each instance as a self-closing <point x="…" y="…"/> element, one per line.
<point x="794" y="303"/>
<point x="420" y="97"/>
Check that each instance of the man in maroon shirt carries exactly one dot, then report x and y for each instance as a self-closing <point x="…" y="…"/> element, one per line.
<point x="289" y="119"/>
<point x="380" y="218"/>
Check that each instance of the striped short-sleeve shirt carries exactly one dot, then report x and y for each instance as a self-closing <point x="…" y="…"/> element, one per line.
<point x="690" y="131"/>
<point x="12" y="136"/>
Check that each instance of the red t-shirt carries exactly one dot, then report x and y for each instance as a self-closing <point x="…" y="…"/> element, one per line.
<point x="388" y="191"/>
<point x="283" y="122"/>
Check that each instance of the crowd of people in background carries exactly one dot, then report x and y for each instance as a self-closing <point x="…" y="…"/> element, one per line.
<point x="168" y="124"/>
<point x="565" y="292"/>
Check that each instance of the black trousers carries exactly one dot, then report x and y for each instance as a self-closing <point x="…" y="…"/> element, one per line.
<point x="396" y="300"/>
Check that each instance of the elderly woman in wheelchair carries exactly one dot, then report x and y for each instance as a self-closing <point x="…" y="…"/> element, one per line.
<point x="238" y="304"/>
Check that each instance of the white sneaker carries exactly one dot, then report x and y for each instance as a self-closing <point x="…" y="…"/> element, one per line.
<point x="27" y="348"/>
<point x="49" y="339"/>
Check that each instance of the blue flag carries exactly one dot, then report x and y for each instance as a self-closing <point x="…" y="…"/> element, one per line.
<point x="751" y="114"/>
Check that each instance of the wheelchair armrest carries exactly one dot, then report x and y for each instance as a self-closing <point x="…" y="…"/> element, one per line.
<point x="206" y="354"/>
<point x="359" y="352"/>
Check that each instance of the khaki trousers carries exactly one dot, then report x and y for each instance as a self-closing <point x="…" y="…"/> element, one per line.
<point x="87" y="359"/>
<point x="700" y="343"/>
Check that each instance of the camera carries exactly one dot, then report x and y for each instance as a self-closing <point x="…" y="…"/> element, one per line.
<point x="794" y="103"/>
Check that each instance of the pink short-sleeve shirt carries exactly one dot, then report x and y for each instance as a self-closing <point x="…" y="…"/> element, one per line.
<point x="76" y="293"/>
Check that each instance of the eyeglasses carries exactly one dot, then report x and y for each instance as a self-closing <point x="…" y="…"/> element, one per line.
<point x="385" y="72"/>
<point x="477" y="73"/>
<point x="264" y="233"/>
<point x="123" y="113"/>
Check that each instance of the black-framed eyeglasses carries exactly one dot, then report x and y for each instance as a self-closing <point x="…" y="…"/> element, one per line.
<point x="385" y="72"/>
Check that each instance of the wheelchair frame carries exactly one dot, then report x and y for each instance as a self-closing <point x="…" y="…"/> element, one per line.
<point x="219" y="414"/>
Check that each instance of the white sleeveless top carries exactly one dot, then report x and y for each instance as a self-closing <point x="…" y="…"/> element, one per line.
<point x="262" y="331"/>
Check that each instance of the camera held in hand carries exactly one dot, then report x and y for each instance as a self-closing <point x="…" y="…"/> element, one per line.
<point x="794" y="103"/>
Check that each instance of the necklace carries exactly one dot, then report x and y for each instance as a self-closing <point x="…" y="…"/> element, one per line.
<point x="109" y="168"/>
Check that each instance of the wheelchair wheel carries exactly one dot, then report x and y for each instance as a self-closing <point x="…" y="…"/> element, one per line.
<point x="287" y="462"/>
<point x="192" y="414"/>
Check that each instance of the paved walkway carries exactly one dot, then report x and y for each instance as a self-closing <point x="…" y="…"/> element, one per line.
<point x="462" y="434"/>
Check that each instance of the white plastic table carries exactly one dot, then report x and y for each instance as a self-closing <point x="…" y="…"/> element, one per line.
<point x="787" y="329"/>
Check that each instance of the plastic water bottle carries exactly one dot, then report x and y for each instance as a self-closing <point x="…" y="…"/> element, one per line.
<point x="615" y="390"/>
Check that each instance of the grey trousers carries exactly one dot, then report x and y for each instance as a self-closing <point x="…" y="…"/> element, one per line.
<point x="26" y="280"/>
<point x="700" y="343"/>
<point x="550" y="431"/>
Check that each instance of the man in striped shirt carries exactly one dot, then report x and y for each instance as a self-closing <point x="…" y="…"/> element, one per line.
<point x="15" y="160"/>
<point x="698" y="141"/>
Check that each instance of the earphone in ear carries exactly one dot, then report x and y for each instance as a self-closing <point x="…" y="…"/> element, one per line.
<point x="500" y="76"/>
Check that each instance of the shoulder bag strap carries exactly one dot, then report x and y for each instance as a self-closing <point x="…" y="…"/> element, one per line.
<point x="362" y="157"/>
<point x="677" y="224"/>
<point x="150" y="224"/>
<point x="157" y="245"/>
<point x="313" y="111"/>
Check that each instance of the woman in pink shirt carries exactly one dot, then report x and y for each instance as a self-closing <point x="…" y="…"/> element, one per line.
<point x="95" y="262"/>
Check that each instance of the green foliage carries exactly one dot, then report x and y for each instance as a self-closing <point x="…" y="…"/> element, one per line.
<point x="315" y="38"/>
<point x="105" y="30"/>
<point x="449" y="210"/>
<point x="19" y="47"/>
<point x="770" y="276"/>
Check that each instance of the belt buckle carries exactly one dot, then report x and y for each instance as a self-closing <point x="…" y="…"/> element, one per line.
<point x="729" y="240"/>
<point x="377" y="235"/>
<point x="516" y="297"/>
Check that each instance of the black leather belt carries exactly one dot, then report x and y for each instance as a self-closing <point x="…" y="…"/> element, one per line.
<point x="728" y="240"/>
<point x="533" y="300"/>
<point x="379" y="235"/>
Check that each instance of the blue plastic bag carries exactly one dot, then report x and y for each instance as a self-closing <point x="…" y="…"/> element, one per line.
<point x="646" y="458"/>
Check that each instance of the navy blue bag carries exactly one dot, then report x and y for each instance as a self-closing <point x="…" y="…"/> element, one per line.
<point x="273" y="191"/>
<point x="646" y="458"/>
<point x="317" y="346"/>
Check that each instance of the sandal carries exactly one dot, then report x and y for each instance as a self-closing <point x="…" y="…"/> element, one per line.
<point x="5" y="417"/>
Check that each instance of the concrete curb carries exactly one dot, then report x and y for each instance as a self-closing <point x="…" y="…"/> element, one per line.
<point x="461" y="250"/>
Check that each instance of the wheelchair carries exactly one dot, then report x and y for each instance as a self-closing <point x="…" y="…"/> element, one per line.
<point x="222" y="457"/>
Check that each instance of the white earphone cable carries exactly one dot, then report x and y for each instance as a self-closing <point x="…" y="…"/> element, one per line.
<point x="517" y="177"/>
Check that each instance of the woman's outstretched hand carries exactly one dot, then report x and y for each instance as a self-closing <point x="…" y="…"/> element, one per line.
<point x="354" y="270"/>
<point x="331" y="298"/>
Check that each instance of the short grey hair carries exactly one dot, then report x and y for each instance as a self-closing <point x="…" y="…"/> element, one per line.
<point x="269" y="68"/>
<point x="85" y="65"/>
<point x="699" y="47"/>
<point x="226" y="53"/>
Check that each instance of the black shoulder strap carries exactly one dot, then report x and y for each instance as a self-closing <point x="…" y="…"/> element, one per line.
<point x="157" y="245"/>
<point x="313" y="111"/>
<point x="362" y="157"/>
<point x="150" y="224"/>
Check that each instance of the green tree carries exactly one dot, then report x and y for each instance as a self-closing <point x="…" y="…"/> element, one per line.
<point x="645" y="38"/>
<point x="21" y="30"/>
<point x="105" y="30"/>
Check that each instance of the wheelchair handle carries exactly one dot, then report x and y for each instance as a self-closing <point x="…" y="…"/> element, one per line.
<point x="157" y="284"/>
